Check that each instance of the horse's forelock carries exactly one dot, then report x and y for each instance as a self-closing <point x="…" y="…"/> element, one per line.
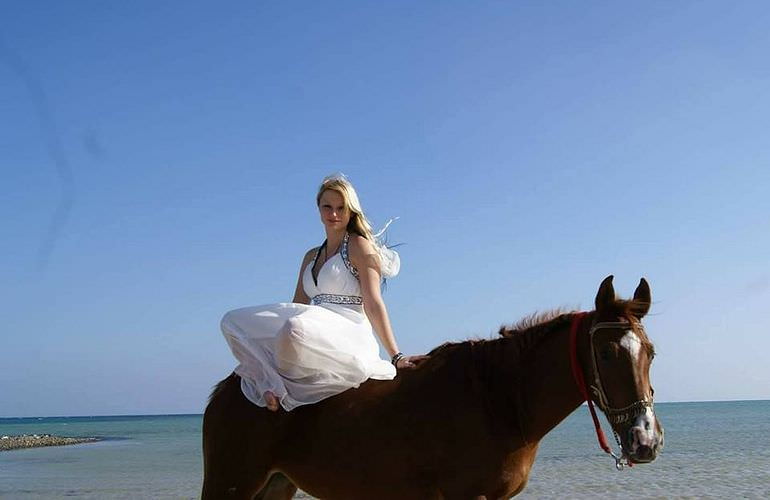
<point x="630" y="309"/>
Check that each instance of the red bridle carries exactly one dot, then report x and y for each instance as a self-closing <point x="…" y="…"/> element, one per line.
<point x="577" y="372"/>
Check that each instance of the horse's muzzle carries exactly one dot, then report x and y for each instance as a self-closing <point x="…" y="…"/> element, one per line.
<point x="645" y="438"/>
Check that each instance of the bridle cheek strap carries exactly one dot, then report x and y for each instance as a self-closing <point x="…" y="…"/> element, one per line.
<point x="577" y="372"/>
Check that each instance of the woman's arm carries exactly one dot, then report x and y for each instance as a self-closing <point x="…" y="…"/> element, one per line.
<point x="300" y="297"/>
<point x="365" y="259"/>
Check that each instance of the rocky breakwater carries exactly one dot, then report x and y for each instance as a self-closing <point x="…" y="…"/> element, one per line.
<point x="37" y="440"/>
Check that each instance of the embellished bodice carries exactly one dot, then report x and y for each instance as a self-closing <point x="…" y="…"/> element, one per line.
<point x="337" y="280"/>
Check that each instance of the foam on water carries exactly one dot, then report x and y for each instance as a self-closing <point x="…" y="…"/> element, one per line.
<point x="712" y="450"/>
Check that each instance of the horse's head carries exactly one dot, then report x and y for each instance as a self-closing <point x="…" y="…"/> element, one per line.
<point x="621" y="357"/>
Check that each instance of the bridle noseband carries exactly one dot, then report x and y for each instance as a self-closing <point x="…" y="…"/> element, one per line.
<point x="614" y="415"/>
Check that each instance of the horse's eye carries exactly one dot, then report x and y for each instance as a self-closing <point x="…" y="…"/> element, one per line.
<point x="604" y="354"/>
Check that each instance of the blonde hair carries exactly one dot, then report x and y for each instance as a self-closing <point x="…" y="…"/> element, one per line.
<point x="358" y="223"/>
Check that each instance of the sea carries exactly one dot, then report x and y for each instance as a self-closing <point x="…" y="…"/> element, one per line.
<point x="712" y="450"/>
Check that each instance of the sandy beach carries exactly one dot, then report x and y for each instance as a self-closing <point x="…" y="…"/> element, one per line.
<point x="38" y="440"/>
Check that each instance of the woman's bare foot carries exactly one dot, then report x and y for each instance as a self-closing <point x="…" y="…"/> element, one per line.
<point x="271" y="401"/>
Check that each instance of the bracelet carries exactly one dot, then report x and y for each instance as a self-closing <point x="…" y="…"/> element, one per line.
<point x="396" y="358"/>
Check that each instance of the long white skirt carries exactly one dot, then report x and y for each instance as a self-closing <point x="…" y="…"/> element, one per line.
<point x="303" y="353"/>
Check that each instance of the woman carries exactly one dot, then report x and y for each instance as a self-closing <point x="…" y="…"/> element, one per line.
<point x="323" y="342"/>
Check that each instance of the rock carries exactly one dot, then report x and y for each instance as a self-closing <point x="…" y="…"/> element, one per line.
<point x="37" y="440"/>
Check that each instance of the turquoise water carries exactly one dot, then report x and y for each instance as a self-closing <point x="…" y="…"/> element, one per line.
<point x="712" y="450"/>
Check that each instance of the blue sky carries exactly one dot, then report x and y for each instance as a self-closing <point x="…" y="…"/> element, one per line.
<point x="530" y="149"/>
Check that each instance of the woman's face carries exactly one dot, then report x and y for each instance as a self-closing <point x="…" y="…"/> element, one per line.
<point x="335" y="215"/>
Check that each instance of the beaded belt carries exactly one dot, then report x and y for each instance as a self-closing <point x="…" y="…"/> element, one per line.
<point x="332" y="298"/>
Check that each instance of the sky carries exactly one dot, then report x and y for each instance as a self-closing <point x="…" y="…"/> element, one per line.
<point x="160" y="161"/>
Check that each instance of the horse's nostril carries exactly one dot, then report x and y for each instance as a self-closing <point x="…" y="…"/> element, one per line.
<point x="644" y="453"/>
<point x="647" y="426"/>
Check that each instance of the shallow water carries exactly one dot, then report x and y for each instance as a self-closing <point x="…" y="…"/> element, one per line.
<point x="712" y="450"/>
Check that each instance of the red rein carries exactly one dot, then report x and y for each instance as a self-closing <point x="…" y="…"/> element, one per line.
<point x="577" y="372"/>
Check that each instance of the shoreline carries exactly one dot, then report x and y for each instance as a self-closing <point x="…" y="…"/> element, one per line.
<point x="23" y="441"/>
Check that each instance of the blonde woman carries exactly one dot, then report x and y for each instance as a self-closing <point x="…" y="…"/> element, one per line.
<point x="323" y="342"/>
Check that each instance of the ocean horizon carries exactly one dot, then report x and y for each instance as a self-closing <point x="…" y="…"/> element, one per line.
<point x="713" y="449"/>
<point x="193" y="414"/>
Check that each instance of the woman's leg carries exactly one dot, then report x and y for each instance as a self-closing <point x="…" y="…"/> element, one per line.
<point x="251" y="334"/>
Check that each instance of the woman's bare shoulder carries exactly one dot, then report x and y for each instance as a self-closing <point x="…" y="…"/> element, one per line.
<point x="310" y="255"/>
<point x="360" y="245"/>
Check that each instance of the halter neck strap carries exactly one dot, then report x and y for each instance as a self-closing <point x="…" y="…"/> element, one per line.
<point x="313" y="272"/>
<point x="346" y="257"/>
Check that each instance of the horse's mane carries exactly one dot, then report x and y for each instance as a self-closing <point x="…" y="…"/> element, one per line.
<point x="221" y="386"/>
<point x="532" y="328"/>
<point x="537" y="323"/>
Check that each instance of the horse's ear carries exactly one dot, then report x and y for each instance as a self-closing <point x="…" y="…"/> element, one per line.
<point x="643" y="299"/>
<point x="606" y="295"/>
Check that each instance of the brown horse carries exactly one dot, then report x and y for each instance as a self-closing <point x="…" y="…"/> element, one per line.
<point x="465" y="424"/>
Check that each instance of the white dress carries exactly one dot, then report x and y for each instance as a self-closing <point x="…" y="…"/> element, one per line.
<point x="306" y="353"/>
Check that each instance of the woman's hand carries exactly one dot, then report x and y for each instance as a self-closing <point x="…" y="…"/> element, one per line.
<point x="411" y="362"/>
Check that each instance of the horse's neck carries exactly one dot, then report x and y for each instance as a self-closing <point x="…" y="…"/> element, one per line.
<point x="525" y="382"/>
<point x="494" y="376"/>
<point x="550" y="393"/>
